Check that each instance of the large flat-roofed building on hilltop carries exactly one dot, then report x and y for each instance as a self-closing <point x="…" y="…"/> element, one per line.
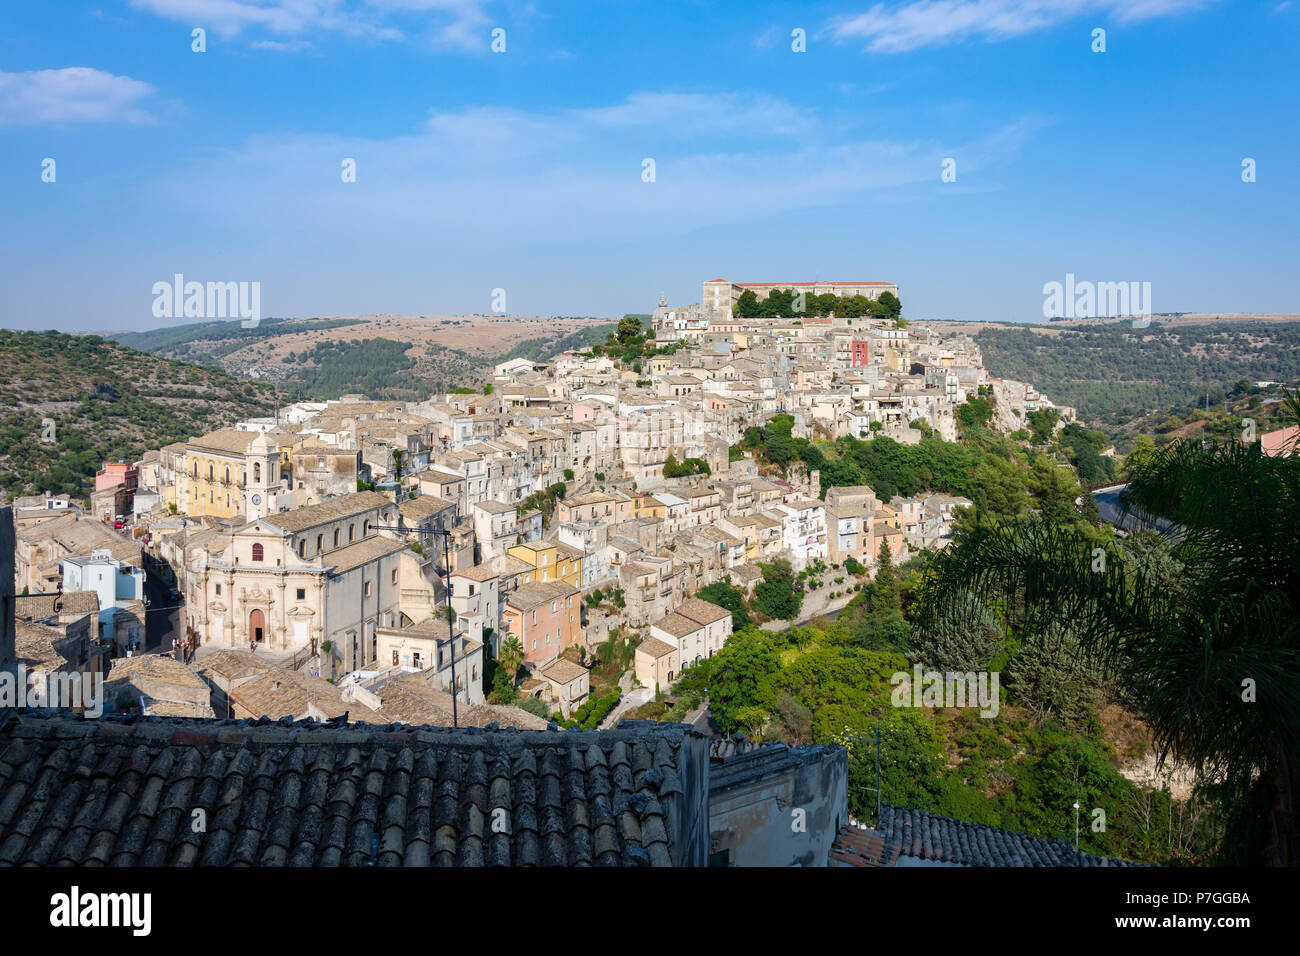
<point x="721" y="295"/>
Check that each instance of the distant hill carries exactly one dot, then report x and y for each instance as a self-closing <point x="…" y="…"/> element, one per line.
<point x="1114" y="373"/>
<point x="107" y="402"/>
<point x="391" y="357"/>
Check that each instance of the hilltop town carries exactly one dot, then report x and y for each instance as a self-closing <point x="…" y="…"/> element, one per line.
<point x="568" y="502"/>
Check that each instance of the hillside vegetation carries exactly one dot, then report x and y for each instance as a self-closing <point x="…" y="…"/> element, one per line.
<point x="385" y="359"/>
<point x="107" y="402"/>
<point x="1115" y="373"/>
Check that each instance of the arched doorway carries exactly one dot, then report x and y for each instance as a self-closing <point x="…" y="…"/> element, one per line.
<point x="257" y="626"/>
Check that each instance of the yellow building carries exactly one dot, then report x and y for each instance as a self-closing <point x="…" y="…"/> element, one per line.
<point x="550" y="561"/>
<point x="227" y="473"/>
<point x="648" y="506"/>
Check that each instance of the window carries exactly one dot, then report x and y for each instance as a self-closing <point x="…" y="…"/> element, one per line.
<point x="212" y="472"/>
<point x="302" y="549"/>
<point x="257" y="471"/>
<point x="367" y="589"/>
<point x="218" y="590"/>
<point x="415" y="658"/>
<point x="336" y="537"/>
<point x="534" y="621"/>
<point x="257" y="552"/>
<point x="394" y="575"/>
<point x="352" y="532"/>
<point x="227" y="474"/>
<point x="320" y="543"/>
<point x="555" y="606"/>
<point x="302" y="594"/>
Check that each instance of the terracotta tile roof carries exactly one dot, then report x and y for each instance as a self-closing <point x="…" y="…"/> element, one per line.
<point x="655" y="648"/>
<point x="536" y="593"/>
<point x="411" y="700"/>
<point x="331" y="510"/>
<point x="702" y="612"/>
<point x="34" y="607"/>
<point x="926" y="836"/>
<point x="425" y="506"/>
<point x="477" y="573"/>
<point x="34" y="645"/>
<point x="678" y="625"/>
<point x="561" y="671"/>
<point x="859" y="847"/>
<point x="123" y="792"/>
<point x="225" y="439"/>
<point x="352" y="556"/>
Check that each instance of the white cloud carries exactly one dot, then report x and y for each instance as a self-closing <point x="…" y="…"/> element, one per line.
<point x="76" y="94"/>
<point x="900" y="27"/>
<point x="481" y="173"/>
<point x="458" y="23"/>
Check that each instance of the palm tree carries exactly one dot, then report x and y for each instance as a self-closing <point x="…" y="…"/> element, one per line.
<point x="511" y="657"/>
<point x="1213" y="665"/>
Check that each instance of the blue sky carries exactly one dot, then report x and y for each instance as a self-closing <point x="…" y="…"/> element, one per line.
<point x="522" y="170"/>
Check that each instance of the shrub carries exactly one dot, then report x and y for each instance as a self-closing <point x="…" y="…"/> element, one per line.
<point x="534" y="706"/>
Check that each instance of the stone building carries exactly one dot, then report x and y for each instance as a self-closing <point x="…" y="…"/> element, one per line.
<point x="297" y="580"/>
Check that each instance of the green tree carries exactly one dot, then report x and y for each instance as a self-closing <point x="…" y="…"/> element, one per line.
<point x="1042" y="422"/>
<point x="511" y="657"/>
<point x="628" y="329"/>
<point x="968" y="639"/>
<point x="779" y="594"/>
<point x="725" y="595"/>
<point x="884" y="587"/>
<point x="1212" y="665"/>
<point x="1051" y="676"/>
<point x="741" y="679"/>
<point x="747" y="306"/>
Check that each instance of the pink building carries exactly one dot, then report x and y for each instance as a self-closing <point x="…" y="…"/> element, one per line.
<point x="117" y="473"/>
